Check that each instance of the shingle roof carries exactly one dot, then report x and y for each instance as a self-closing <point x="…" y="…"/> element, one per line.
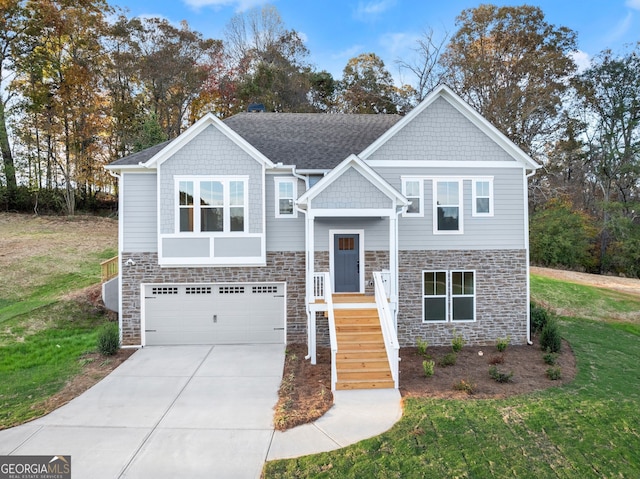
<point x="308" y="140"/>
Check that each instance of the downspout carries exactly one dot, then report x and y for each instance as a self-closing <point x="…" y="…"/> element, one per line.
<point x="526" y="239"/>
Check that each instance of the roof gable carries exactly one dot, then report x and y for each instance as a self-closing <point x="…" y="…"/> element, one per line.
<point x="352" y="163"/>
<point x="443" y="93"/>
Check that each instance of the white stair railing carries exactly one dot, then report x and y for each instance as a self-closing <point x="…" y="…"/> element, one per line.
<point x="388" y="329"/>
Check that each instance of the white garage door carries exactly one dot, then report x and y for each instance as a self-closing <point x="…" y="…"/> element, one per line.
<point x="214" y="313"/>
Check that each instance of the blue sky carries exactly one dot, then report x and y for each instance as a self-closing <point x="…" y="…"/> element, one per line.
<point x="337" y="30"/>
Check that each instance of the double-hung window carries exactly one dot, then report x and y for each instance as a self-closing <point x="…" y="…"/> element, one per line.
<point x="286" y="194"/>
<point x="448" y="296"/>
<point x="447" y="207"/>
<point x="482" y="197"/>
<point x="212" y="204"/>
<point x="412" y="189"/>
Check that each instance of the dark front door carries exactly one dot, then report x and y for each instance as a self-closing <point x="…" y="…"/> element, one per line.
<point x="346" y="263"/>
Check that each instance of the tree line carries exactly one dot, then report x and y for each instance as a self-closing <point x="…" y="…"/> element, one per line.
<point x="83" y="85"/>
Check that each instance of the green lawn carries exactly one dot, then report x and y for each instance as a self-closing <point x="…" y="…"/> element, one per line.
<point x="43" y="336"/>
<point x="588" y="429"/>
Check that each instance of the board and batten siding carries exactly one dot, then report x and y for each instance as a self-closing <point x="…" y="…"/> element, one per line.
<point x="139" y="212"/>
<point x="211" y="153"/>
<point x="283" y="234"/>
<point x="504" y="230"/>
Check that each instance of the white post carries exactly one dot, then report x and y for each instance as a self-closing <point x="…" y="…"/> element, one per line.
<point x="393" y="263"/>
<point x="311" y="324"/>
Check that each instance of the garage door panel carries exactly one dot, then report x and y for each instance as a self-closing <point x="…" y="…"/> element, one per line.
<point x="214" y="313"/>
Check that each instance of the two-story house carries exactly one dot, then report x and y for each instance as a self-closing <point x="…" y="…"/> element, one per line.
<point x="267" y="227"/>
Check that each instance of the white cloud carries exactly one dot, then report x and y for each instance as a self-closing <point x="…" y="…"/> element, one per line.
<point x="621" y="28"/>
<point x="366" y="11"/>
<point x="240" y="5"/>
<point x="347" y="53"/>
<point x="582" y="59"/>
<point x="634" y="4"/>
<point x="398" y="44"/>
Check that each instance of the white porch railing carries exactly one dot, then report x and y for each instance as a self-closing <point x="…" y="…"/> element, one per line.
<point x="386" y="323"/>
<point x="322" y="284"/>
<point x="320" y="280"/>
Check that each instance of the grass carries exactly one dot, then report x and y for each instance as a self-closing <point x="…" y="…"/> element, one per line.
<point x="43" y="336"/>
<point x="590" y="428"/>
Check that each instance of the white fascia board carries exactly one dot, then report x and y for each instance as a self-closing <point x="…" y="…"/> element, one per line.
<point x="463" y="107"/>
<point x="445" y="164"/>
<point x="126" y="168"/>
<point x="196" y="129"/>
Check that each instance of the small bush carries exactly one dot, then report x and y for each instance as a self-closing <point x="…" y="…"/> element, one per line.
<point x="109" y="339"/>
<point x="448" y="359"/>
<point x="457" y="343"/>
<point x="428" y="367"/>
<point x="550" y="339"/>
<point x="539" y="317"/>
<point x="554" y="373"/>
<point x="422" y="346"/>
<point x="466" y="386"/>
<point x="500" y="376"/>
<point x="502" y="343"/>
<point x="496" y="359"/>
<point x="550" y="358"/>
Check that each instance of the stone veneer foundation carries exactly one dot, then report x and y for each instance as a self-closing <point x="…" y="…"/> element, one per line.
<point x="286" y="267"/>
<point x="501" y="296"/>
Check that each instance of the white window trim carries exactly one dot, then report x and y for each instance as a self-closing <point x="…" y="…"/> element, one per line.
<point x="446" y="296"/>
<point x="452" y="296"/>
<point x="420" y="181"/>
<point x="474" y="197"/>
<point x="277" y="182"/>
<point x="225" y="180"/>
<point x="434" y="184"/>
<point x="449" y="296"/>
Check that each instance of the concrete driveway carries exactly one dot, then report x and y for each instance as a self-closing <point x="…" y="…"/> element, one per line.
<point x="167" y="412"/>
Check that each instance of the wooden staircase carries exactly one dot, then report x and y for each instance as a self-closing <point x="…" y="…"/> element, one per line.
<point x="362" y="361"/>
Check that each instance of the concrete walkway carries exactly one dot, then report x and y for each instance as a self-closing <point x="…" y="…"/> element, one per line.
<point x="193" y="411"/>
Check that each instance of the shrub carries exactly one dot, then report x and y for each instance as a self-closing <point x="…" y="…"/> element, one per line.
<point x="550" y="358"/>
<point x="457" y="343"/>
<point x="422" y="346"/>
<point x="496" y="359"/>
<point x="539" y="317"/>
<point x="500" y="376"/>
<point x="428" y="367"/>
<point x="448" y="359"/>
<point x="466" y="386"/>
<point x="554" y="373"/>
<point x="109" y="339"/>
<point x="550" y="339"/>
<point x="502" y="343"/>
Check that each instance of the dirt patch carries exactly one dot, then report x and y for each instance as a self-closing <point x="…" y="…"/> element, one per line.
<point x="305" y="391"/>
<point x="625" y="285"/>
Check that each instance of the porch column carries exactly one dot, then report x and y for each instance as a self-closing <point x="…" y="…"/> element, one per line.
<point x="311" y="313"/>
<point x="393" y="263"/>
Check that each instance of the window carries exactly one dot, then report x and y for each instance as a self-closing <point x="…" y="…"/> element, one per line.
<point x="286" y="194"/>
<point x="412" y="190"/>
<point x="448" y="296"/>
<point x="435" y="295"/>
<point x="483" y="197"/>
<point x="212" y="205"/>
<point x="462" y="296"/>
<point x="447" y="206"/>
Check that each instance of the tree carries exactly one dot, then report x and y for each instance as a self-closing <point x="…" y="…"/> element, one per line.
<point x="609" y="97"/>
<point x="367" y="86"/>
<point x="511" y="65"/>
<point x="12" y="25"/>
<point x="425" y="66"/>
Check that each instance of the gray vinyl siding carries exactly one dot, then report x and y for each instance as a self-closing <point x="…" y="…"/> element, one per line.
<point x="441" y="133"/>
<point x="283" y="234"/>
<point x="376" y="231"/>
<point x="504" y="230"/>
<point x="211" y="153"/>
<point x="139" y="212"/>
<point x="351" y="190"/>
